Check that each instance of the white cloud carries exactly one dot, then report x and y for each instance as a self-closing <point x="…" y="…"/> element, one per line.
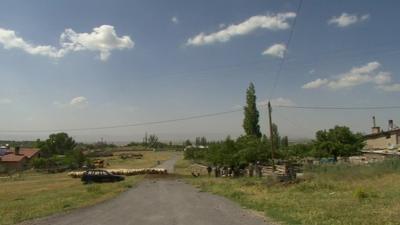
<point x="5" y="101"/>
<point x="9" y="39"/>
<point x="382" y="78"/>
<point x="345" y="19"/>
<point x="276" y="50"/>
<point x="390" y="87"/>
<point x="102" y="39"/>
<point x="315" y="84"/>
<point x="175" y="20"/>
<point x="368" y="73"/>
<point x="78" y="101"/>
<point x="221" y="25"/>
<point x="271" y="22"/>
<point x="368" y="68"/>
<point x="360" y="75"/>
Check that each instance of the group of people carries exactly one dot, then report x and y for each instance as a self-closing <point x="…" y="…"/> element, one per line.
<point x="235" y="171"/>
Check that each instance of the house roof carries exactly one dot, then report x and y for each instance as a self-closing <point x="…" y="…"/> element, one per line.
<point x="12" y="158"/>
<point x="23" y="153"/>
<point x="383" y="133"/>
<point x="29" y="152"/>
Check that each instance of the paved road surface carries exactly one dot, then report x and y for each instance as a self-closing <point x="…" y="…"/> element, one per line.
<point x="159" y="202"/>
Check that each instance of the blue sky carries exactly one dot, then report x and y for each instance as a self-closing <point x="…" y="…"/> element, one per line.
<point x="72" y="64"/>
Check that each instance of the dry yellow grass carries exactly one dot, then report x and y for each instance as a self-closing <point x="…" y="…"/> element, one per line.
<point x="32" y="195"/>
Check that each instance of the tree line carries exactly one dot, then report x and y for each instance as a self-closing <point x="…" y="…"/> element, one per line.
<point x="253" y="146"/>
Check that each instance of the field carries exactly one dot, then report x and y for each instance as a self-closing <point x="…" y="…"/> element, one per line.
<point x="328" y="195"/>
<point x="31" y="195"/>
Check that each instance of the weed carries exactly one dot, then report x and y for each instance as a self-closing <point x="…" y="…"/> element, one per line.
<point x="128" y="185"/>
<point x="94" y="189"/>
<point x="360" y="194"/>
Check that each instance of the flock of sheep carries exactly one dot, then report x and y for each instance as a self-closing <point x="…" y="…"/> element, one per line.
<point x="126" y="172"/>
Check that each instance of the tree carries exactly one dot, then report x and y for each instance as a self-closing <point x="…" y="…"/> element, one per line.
<point x="339" y="141"/>
<point x="197" y="141"/>
<point x="203" y="141"/>
<point x="187" y="143"/>
<point x="252" y="149"/>
<point x="284" y="142"/>
<point x="276" y="137"/>
<point x="153" y="141"/>
<point x="300" y="150"/>
<point x="58" y="143"/>
<point x="223" y="154"/>
<point x="251" y="114"/>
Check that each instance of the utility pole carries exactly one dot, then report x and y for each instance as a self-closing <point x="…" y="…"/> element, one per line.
<point x="271" y="136"/>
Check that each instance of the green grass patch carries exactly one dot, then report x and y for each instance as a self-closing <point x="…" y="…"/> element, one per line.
<point x="329" y="195"/>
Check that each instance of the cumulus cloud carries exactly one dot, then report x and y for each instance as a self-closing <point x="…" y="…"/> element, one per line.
<point x="270" y="22"/>
<point x="78" y="101"/>
<point x="10" y="40"/>
<point x="5" y="101"/>
<point x="175" y="20"/>
<point x="315" y="83"/>
<point x="276" y="50"/>
<point x="102" y="39"/>
<point x="368" y="73"/>
<point x="345" y="19"/>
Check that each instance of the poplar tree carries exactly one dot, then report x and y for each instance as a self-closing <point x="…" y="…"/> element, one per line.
<point x="251" y="114"/>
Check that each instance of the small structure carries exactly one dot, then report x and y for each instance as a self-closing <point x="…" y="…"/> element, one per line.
<point x="14" y="162"/>
<point x="19" y="158"/>
<point x="383" y="140"/>
<point x="379" y="145"/>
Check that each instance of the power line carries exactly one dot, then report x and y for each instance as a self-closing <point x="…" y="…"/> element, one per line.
<point x="338" y="107"/>
<point x="126" y="125"/>
<point x="200" y="117"/>
<point x="287" y="48"/>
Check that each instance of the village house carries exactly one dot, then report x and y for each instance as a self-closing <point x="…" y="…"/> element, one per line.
<point x="383" y="140"/>
<point x="380" y="144"/>
<point x="18" y="159"/>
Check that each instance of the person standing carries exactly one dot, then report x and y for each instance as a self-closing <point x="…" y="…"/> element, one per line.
<point x="209" y="169"/>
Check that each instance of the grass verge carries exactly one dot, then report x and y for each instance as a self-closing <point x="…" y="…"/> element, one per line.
<point x="328" y="195"/>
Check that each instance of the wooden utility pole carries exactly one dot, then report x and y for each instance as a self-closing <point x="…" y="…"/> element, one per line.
<point x="271" y="136"/>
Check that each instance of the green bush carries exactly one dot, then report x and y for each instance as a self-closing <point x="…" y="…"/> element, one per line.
<point x="59" y="163"/>
<point x="360" y="194"/>
<point x="40" y="163"/>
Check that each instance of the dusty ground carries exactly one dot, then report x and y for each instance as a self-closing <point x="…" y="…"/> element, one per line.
<point x="159" y="202"/>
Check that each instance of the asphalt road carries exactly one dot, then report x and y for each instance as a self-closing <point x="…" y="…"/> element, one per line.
<point x="159" y="202"/>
